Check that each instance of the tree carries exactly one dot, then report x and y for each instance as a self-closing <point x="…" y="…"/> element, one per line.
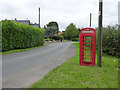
<point x="71" y="32"/>
<point x="53" y="24"/>
<point x="50" y="32"/>
<point x="51" y="29"/>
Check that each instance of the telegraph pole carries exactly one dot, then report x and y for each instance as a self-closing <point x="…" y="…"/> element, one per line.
<point x="119" y="37"/>
<point x="99" y="57"/>
<point x="119" y="13"/>
<point x="39" y="17"/>
<point x="90" y="19"/>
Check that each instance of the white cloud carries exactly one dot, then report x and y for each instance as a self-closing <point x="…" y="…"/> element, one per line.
<point x="62" y="11"/>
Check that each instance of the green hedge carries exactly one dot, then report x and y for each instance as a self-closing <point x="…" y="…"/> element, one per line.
<point x="20" y="36"/>
<point x="110" y="39"/>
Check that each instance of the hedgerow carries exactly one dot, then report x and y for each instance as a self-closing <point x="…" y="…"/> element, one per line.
<point x="20" y="36"/>
<point x="110" y="40"/>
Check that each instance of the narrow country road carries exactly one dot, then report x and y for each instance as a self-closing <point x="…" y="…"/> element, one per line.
<point x="22" y="69"/>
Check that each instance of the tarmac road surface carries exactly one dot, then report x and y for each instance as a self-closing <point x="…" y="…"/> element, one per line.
<point x="22" y="69"/>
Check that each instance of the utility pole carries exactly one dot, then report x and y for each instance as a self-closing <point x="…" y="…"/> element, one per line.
<point x="119" y="13"/>
<point x="99" y="57"/>
<point x="119" y="36"/>
<point x="39" y="17"/>
<point x="90" y="19"/>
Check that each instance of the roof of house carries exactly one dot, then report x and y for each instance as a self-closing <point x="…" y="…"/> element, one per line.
<point x="27" y="22"/>
<point x="34" y="24"/>
<point x="23" y="21"/>
<point x="59" y="33"/>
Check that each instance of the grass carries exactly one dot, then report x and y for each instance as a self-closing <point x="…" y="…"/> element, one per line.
<point x="19" y="50"/>
<point x="47" y="39"/>
<point x="66" y="40"/>
<point x="71" y="75"/>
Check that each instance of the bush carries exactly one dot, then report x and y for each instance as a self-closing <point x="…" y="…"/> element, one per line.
<point x="110" y="41"/>
<point x="56" y="38"/>
<point x="20" y="36"/>
<point x="47" y="39"/>
<point x="75" y="39"/>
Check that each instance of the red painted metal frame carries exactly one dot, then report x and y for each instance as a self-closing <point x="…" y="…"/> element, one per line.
<point x="93" y="46"/>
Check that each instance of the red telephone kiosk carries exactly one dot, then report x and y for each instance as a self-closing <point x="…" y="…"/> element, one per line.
<point x="87" y="47"/>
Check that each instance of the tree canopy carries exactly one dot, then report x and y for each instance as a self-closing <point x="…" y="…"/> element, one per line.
<point x="71" y="32"/>
<point x="51" y="29"/>
<point x="53" y="24"/>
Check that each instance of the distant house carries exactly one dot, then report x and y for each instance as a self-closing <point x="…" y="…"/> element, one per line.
<point x="59" y="33"/>
<point x="35" y="25"/>
<point x="27" y="22"/>
<point x="23" y="21"/>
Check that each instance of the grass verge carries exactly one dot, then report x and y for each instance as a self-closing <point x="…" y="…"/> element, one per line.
<point x="66" y="40"/>
<point x="71" y="75"/>
<point x="19" y="50"/>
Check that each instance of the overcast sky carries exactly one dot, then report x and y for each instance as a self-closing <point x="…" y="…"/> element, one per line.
<point x="62" y="11"/>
